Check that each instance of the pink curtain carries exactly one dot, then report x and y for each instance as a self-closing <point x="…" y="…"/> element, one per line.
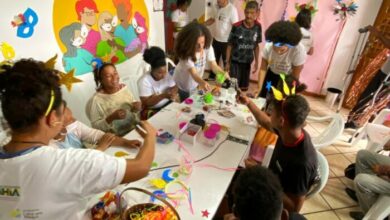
<point x="326" y="31"/>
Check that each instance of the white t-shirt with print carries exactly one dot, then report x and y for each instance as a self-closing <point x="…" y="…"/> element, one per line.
<point x="50" y="183"/>
<point x="283" y="63"/>
<point x="307" y="39"/>
<point x="148" y="86"/>
<point x="182" y="75"/>
<point x="224" y="19"/>
<point x="181" y="18"/>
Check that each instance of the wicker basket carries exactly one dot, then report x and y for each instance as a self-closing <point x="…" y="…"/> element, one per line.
<point x="144" y="208"/>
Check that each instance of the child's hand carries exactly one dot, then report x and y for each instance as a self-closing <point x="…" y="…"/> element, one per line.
<point x="118" y="114"/>
<point x="205" y="86"/>
<point x="243" y="99"/>
<point x="134" y="143"/>
<point x="106" y="141"/>
<point x="150" y="130"/>
<point x="249" y="162"/>
<point x="136" y="106"/>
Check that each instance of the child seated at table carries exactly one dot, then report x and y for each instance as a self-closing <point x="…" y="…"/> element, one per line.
<point x="113" y="107"/>
<point x="40" y="181"/>
<point x="259" y="195"/>
<point x="294" y="159"/>
<point x="156" y="88"/>
<point x="192" y="48"/>
<point x="76" y="134"/>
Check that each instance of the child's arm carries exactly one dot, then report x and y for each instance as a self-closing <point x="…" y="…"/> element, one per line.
<point x="216" y="68"/>
<point x="263" y="71"/>
<point x="119" y="141"/>
<point x="296" y="71"/>
<point x="139" y="167"/>
<point x="228" y="56"/>
<point x="203" y="84"/>
<point x="293" y="203"/>
<point x="256" y="51"/>
<point x="261" y="117"/>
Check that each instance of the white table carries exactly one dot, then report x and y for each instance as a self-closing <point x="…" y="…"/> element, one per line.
<point x="208" y="185"/>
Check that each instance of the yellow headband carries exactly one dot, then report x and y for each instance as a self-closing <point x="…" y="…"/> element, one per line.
<point x="52" y="97"/>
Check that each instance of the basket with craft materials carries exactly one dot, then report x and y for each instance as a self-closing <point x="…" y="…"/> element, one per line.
<point x="148" y="211"/>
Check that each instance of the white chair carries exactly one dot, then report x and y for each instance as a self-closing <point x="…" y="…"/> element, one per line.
<point x="377" y="134"/>
<point x="331" y="133"/>
<point x="323" y="170"/>
<point x="380" y="209"/>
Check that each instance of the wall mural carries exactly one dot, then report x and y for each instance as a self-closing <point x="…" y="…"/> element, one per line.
<point x="112" y="31"/>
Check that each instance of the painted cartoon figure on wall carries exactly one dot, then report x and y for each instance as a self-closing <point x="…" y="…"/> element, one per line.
<point x="142" y="34"/>
<point x="110" y="48"/>
<point x="73" y="37"/>
<point x="86" y="11"/>
<point x="113" y="31"/>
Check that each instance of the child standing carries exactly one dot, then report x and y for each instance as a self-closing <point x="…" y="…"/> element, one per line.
<point x="193" y="50"/>
<point x="243" y="46"/>
<point x="281" y="54"/>
<point x="294" y="159"/>
<point x="303" y="19"/>
<point x="180" y="16"/>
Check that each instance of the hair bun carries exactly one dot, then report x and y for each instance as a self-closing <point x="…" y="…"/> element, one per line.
<point x="155" y="56"/>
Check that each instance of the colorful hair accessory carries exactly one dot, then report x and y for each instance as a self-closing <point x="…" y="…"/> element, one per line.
<point x="52" y="97"/>
<point x="50" y="63"/>
<point x="98" y="63"/>
<point x="279" y="44"/>
<point x="309" y="6"/>
<point x="286" y="90"/>
<point x="68" y="79"/>
<point x="268" y="86"/>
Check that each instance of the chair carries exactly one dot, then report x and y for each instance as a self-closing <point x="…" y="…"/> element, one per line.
<point x="377" y="134"/>
<point x="330" y="134"/>
<point x="380" y="209"/>
<point x="323" y="170"/>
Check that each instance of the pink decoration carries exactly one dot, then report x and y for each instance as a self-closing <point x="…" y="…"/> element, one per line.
<point x="189" y="101"/>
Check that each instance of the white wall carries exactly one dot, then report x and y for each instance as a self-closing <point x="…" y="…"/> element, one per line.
<point x="43" y="45"/>
<point x="342" y="57"/>
<point x="196" y="9"/>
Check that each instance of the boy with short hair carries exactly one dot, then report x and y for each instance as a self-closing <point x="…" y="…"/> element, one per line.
<point x="243" y="46"/>
<point x="294" y="159"/>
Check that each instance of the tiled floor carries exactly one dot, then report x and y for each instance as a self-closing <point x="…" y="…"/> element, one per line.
<point x="332" y="202"/>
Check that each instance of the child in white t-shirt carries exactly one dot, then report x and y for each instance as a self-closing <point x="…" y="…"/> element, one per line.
<point x="180" y="16"/>
<point x="76" y="134"/>
<point x="303" y="19"/>
<point x="156" y="88"/>
<point x="194" y="52"/>
<point x="281" y="54"/>
<point x="42" y="182"/>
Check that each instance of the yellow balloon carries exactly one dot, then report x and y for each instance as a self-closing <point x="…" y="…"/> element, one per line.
<point x="7" y="50"/>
